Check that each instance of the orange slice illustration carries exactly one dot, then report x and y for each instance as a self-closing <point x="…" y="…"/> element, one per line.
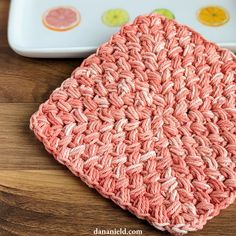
<point x="61" y="18"/>
<point x="213" y="16"/>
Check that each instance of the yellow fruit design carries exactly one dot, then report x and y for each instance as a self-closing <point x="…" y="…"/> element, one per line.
<point x="213" y="16"/>
<point x="115" y="17"/>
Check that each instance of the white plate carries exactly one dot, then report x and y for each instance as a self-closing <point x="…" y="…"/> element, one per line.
<point x="29" y="37"/>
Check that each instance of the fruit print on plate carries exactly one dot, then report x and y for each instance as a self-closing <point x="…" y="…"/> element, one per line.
<point x="165" y="12"/>
<point x="75" y="28"/>
<point x="115" y="17"/>
<point x="61" y="18"/>
<point x="213" y="16"/>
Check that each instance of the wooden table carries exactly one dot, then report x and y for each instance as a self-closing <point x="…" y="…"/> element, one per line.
<point x="38" y="196"/>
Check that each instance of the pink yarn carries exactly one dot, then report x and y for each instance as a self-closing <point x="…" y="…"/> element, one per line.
<point x="149" y="121"/>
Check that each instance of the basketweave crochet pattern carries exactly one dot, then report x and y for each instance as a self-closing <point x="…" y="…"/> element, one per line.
<point x="149" y="121"/>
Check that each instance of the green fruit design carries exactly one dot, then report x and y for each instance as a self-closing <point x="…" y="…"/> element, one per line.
<point x="115" y="17"/>
<point x="165" y="12"/>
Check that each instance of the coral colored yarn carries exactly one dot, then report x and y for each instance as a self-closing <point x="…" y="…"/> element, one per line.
<point x="149" y="121"/>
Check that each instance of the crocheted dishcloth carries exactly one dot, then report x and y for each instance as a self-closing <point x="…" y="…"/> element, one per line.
<point x="149" y="121"/>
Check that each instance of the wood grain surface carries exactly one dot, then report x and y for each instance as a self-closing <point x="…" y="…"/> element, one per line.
<point x="38" y="196"/>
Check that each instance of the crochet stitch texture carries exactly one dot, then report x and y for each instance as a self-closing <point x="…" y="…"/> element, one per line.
<point x="149" y="121"/>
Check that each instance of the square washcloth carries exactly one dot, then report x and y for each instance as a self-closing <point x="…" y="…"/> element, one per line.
<point x="149" y="121"/>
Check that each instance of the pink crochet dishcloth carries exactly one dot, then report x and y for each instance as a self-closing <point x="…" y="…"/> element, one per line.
<point x="149" y="121"/>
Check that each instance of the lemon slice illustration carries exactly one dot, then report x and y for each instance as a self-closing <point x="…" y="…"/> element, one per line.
<point x="213" y="16"/>
<point x="165" y="12"/>
<point x="115" y="17"/>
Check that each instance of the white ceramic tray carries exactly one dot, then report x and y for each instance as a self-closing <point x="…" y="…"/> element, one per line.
<point x="28" y="35"/>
